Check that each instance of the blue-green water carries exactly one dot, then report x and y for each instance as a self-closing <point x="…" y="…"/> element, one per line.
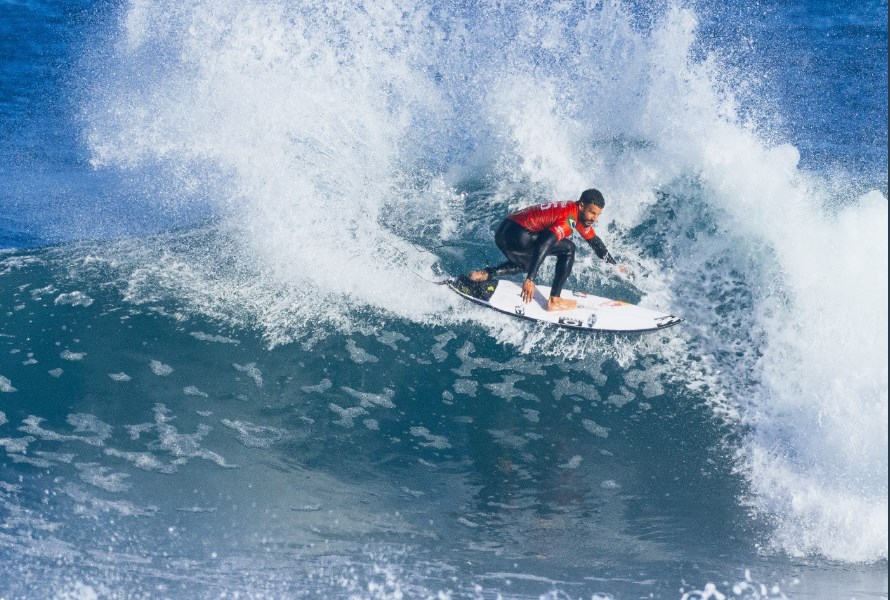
<point x="224" y="373"/>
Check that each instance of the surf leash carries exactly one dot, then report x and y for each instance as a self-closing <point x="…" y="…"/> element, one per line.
<point x="412" y="271"/>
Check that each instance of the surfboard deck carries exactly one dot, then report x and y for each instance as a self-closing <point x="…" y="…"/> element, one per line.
<point x="593" y="313"/>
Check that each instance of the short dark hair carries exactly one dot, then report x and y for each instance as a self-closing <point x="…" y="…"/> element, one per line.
<point x="592" y="196"/>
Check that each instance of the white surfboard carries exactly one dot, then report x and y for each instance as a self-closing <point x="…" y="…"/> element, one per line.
<point x="593" y="313"/>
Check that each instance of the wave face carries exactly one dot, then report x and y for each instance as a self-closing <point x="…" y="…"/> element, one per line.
<point x="308" y="165"/>
<point x="344" y="132"/>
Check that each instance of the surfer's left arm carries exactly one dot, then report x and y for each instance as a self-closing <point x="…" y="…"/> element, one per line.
<point x="599" y="247"/>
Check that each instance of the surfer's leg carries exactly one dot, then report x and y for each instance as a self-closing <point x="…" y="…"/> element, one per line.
<point x="516" y="243"/>
<point x="502" y="270"/>
<point x="565" y="259"/>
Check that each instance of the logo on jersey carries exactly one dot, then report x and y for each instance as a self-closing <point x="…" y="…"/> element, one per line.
<point x="572" y="222"/>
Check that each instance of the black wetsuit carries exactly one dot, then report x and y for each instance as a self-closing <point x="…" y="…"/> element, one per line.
<point x="526" y="250"/>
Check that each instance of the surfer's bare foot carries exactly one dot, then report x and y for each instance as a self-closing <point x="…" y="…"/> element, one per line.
<point x="478" y="275"/>
<point x="557" y="303"/>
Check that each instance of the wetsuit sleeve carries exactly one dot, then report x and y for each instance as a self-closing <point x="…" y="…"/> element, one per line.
<point x="599" y="248"/>
<point x="547" y="239"/>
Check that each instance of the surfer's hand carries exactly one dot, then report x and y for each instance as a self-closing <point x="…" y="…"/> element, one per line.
<point x="622" y="269"/>
<point x="528" y="290"/>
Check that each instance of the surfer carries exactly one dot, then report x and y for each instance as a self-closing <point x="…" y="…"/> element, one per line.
<point x="532" y="234"/>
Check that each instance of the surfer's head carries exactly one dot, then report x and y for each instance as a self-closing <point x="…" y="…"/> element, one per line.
<point x="592" y="196"/>
<point x="590" y="206"/>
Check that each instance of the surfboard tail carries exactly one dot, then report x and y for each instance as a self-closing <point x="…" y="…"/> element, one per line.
<point x="480" y="290"/>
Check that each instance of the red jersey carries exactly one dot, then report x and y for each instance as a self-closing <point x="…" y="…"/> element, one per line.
<point x="559" y="217"/>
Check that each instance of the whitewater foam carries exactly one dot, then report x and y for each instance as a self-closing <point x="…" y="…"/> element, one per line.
<point x="6" y="385"/>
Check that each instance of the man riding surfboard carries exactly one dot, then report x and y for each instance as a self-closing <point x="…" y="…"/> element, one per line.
<point x="532" y="234"/>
